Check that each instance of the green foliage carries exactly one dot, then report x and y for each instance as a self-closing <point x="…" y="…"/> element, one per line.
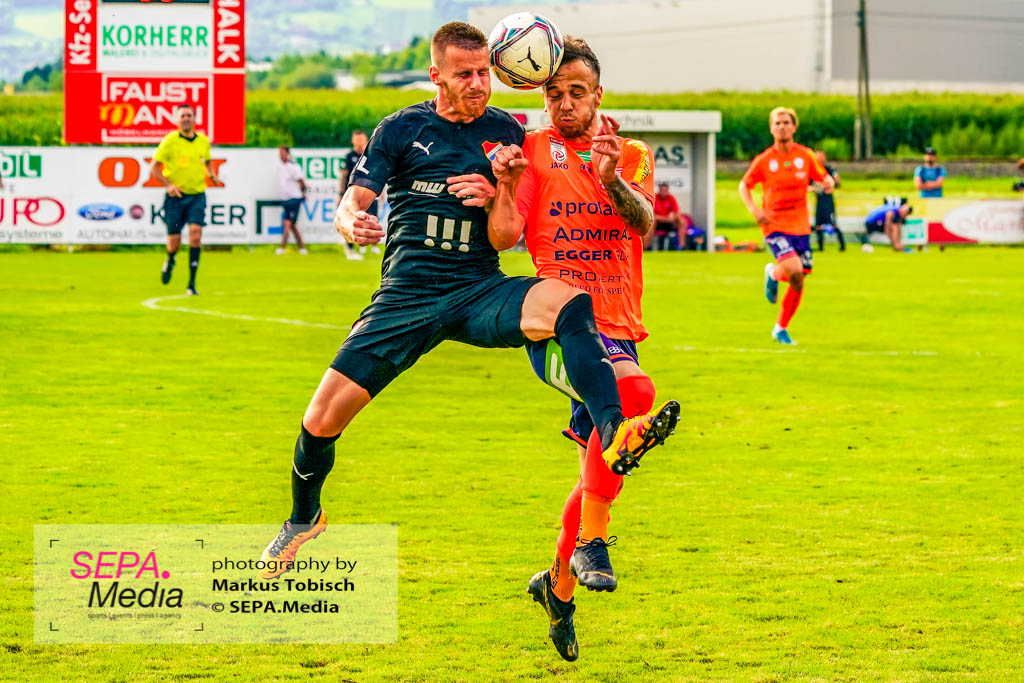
<point x="957" y="125"/>
<point x="294" y="71"/>
<point x="974" y="141"/>
<point x="836" y="148"/>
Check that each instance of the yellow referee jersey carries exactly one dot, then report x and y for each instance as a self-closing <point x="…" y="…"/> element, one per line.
<point x="184" y="160"/>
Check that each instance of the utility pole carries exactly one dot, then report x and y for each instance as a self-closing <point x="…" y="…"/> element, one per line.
<point x="862" y="125"/>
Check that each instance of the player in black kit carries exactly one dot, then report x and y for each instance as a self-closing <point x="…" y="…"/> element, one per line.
<point x="440" y="279"/>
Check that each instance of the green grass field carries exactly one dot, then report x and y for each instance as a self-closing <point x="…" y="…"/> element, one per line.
<point x="849" y="509"/>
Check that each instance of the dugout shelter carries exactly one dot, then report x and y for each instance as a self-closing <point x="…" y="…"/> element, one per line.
<point x="683" y="143"/>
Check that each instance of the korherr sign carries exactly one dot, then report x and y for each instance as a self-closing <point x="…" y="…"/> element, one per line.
<point x="128" y="65"/>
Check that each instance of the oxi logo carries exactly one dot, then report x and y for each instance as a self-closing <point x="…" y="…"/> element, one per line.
<point x="126" y="171"/>
<point x="42" y="212"/>
<point x="100" y="212"/>
<point x="573" y="208"/>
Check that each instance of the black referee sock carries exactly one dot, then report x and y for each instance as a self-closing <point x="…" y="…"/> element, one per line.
<point x="193" y="265"/>
<point x="314" y="458"/>
<point x="588" y="366"/>
<point x="170" y="256"/>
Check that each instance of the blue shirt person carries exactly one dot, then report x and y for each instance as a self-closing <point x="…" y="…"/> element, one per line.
<point x="929" y="177"/>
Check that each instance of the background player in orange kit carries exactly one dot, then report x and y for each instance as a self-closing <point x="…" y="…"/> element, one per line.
<point x="783" y="170"/>
<point x="585" y="199"/>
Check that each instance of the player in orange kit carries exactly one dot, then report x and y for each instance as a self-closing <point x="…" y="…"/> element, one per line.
<point x="783" y="171"/>
<point x="585" y="199"/>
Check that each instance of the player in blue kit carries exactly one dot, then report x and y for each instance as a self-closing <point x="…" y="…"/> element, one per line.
<point x="888" y="218"/>
<point x="440" y="280"/>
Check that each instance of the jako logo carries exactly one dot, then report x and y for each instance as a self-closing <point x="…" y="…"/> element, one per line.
<point x="100" y="212"/>
<point x="572" y="208"/>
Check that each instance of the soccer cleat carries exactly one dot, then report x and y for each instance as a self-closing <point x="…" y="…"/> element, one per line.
<point x="637" y="435"/>
<point x="166" y="270"/>
<point x="191" y="291"/>
<point x="591" y="566"/>
<point x="279" y="556"/>
<point x="562" y="631"/>
<point x="771" y="285"/>
<point x="782" y="336"/>
<point x="375" y="250"/>
<point x="303" y="251"/>
<point x="352" y="255"/>
<point x="279" y="251"/>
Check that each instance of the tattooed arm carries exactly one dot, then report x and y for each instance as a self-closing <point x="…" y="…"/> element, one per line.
<point x="634" y="209"/>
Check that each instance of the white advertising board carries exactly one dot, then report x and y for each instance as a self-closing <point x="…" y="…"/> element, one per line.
<point x="94" y="195"/>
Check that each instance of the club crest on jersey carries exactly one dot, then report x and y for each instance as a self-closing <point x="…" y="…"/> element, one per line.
<point x="773" y="165"/>
<point x="557" y="150"/>
<point x="799" y="162"/>
<point x="491" y="149"/>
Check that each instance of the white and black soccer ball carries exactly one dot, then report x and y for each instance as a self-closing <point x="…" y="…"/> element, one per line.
<point x="526" y="50"/>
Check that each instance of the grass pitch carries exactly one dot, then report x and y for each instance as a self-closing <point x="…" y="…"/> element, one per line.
<point x="846" y="510"/>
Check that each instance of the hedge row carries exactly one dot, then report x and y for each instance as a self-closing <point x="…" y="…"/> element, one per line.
<point x="982" y="126"/>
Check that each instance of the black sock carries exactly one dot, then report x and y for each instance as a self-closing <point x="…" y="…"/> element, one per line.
<point x="193" y="265"/>
<point x="588" y="366"/>
<point x="842" y="240"/>
<point x="821" y="240"/>
<point x="171" y="255"/>
<point x="314" y="458"/>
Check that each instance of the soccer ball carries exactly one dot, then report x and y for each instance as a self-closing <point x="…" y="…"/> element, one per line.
<point x="526" y="50"/>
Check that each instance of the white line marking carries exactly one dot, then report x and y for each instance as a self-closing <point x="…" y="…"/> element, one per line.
<point x="723" y="349"/>
<point x="155" y="302"/>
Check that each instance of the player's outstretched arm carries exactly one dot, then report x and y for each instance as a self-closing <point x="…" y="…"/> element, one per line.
<point x="353" y="222"/>
<point x="504" y="222"/>
<point x="634" y="209"/>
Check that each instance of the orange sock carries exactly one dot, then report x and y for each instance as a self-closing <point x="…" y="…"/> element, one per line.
<point x="780" y="274"/>
<point x="790" y="303"/>
<point x="563" y="584"/>
<point x="594" y="517"/>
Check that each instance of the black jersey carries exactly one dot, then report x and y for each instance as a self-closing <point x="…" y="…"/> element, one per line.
<point x="432" y="238"/>
<point x="351" y="159"/>
<point x="825" y="207"/>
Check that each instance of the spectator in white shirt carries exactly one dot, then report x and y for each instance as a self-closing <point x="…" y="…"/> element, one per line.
<point x="293" y="189"/>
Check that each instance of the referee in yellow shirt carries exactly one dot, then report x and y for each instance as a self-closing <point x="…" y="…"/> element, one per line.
<point x="182" y="165"/>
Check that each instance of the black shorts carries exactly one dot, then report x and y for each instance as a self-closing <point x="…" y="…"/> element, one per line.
<point x="402" y="323"/>
<point x="184" y="210"/>
<point x="290" y="209"/>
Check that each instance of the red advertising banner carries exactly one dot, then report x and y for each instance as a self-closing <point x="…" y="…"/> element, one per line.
<point x="129" y="65"/>
<point x="80" y="44"/>
<point x="229" y="34"/>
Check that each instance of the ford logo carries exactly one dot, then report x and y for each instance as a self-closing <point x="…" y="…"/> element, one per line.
<point x="100" y="212"/>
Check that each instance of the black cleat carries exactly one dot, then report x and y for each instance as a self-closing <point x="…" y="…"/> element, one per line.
<point x="562" y="631"/>
<point x="166" y="270"/>
<point x="591" y="566"/>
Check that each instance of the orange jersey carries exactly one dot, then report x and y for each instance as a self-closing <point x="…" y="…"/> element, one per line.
<point x="784" y="179"/>
<point x="574" y="233"/>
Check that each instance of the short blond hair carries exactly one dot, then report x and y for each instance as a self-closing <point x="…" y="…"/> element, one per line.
<point x="783" y="110"/>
